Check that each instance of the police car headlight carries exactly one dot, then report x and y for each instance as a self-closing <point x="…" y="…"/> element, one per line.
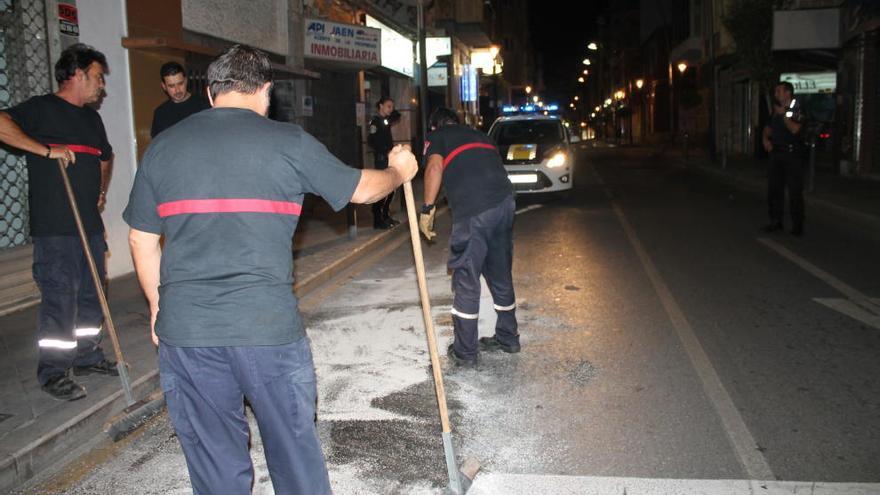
<point x="556" y="161"/>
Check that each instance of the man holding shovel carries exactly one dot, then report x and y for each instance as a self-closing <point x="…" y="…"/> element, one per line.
<point x="61" y="126"/>
<point x="481" y="198"/>
<point x="225" y="188"/>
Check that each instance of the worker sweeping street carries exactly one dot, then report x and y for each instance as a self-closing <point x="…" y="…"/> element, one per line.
<point x="481" y="199"/>
<point x="225" y="187"/>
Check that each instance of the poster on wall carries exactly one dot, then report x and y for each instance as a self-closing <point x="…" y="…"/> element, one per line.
<point x="68" y="19"/>
<point x="346" y="43"/>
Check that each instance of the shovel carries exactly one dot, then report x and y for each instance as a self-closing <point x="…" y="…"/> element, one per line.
<point x="459" y="480"/>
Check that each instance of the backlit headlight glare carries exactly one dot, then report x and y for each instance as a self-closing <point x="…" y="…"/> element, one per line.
<point x="556" y="161"/>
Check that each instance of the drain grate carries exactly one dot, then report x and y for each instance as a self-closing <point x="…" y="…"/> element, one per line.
<point x="4" y="417"/>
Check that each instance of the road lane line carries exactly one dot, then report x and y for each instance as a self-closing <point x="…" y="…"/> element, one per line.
<point x="528" y="208"/>
<point x="851" y="293"/>
<point x="850" y="309"/>
<point x="744" y="444"/>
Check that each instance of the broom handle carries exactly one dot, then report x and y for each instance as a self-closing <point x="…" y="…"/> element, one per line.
<point x="99" y="286"/>
<point x="426" y="304"/>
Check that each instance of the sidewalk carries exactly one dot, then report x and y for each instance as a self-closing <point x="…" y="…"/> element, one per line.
<point x="844" y="198"/>
<point x="39" y="434"/>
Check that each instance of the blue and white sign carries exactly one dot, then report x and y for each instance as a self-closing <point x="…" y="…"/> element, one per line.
<point x="348" y="43"/>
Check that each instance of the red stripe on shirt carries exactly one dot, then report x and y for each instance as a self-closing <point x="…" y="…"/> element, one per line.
<point x="243" y="205"/>
<point x="451" y="156"/>
<point x="80" y="148"/>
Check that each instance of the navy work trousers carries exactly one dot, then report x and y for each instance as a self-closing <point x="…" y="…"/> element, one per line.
<point x="205" y="389"/>
<point x="69" y="318"/>
<point x="787" y="171"/>
<point x="483" y="245"/>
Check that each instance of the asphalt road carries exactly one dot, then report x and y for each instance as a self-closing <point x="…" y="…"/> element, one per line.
<point x="664" y="340"/>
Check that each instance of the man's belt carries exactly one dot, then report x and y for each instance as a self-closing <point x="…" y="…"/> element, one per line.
<point x="80" y="148"/>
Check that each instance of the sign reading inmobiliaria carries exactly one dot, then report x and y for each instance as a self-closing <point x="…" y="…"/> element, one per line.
<point x="359" y="45"/>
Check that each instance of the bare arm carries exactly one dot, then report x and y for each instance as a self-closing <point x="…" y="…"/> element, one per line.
<point x="12" y="135"/>
<point x="106" y="172"/>
<point x="433" y="178"/>
<point x="765" y="136"/>
<point x="146" y="252"/>
<point x="376" y="184"/>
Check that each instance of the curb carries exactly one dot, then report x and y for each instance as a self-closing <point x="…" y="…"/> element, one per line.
<point x="821" y="205"/>
<point x="49" y="453"/>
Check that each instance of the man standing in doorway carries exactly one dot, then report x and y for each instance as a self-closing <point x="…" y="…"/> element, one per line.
<point x="788" y="154"/>
<point x="381" y="141"/>
<point x="61" y="126"/>
<point x="481" y="199"/>
<point x="181" y="103"/>
<point x="225" y="187"/>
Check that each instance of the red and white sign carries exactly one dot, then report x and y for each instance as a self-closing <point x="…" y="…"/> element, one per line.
<point x="347" y="43"/>
<point x="68" y="19"/>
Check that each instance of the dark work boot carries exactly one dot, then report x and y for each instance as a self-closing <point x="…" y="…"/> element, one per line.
<point x="490" y="344"/>
<point x="103" y="367"/>
<point x="62" y="387"/>
<point x="459" y="361"/>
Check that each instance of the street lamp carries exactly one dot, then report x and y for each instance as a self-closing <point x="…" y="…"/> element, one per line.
<point x="682" y="66"/>
<point x="640" y="83"/>
<point x="581" y="79"/>
<point x="586" y="72"/>
<point x="528" y="90"/>
<point x="592" y="46"/>
<point x="535" y="99"/>
<point x="598" y="108"/>
<point x="586" y="61"/>
<point x="576" y="98"/>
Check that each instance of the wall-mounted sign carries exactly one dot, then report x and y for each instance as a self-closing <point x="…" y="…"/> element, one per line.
<point x="307" y="106"/>
<point x="397" y="49"/>
<point x="811" y="82"/>
<point x="347" y="43"/>
<point x="434" y="48"/>
<point x="437" y="75"/>
<point x="68" y="19"/>
<point x="468" y="83"/>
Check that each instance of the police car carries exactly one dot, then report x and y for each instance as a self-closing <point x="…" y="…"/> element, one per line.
<point x="535" y="148"/>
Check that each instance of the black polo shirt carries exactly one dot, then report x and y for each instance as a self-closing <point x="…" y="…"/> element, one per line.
<point x="50" y="119"/>
<point x="225" y="186"/>
<point x="170" y="113"/>
<point x="473" y="174"/>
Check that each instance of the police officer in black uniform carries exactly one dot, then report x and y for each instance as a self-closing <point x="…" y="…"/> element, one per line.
<point x="481" y="198"/>
<point x="381" y="142"/>
<point x="788" y="153"/>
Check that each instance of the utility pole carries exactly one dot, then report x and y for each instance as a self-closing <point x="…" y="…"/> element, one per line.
<point x="423" y="70"/>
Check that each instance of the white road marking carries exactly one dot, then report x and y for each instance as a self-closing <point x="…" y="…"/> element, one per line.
<point x="850" y="309"/>
<point x="514" y="484"/>
<point x="851" y="293"/>
<point x="744" y="443"/>
<point x="528" y="208"/>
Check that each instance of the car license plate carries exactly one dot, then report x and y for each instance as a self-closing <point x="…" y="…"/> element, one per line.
<point x="523" y="178"/>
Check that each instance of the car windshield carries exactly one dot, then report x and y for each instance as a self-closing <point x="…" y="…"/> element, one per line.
<point x="527" y="132"/>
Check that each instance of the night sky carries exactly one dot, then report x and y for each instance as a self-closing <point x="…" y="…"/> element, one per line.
<point x="560" y="32"/>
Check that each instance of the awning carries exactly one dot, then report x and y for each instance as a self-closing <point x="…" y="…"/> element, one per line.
<point x="178" y="47"/>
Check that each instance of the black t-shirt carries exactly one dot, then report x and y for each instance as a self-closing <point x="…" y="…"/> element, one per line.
<point x="780" y="136"/>
<point x="380" y="135"/>
<point x="225" y="187"/>
<point x="50" y="119"/>
<point x="473" y="174"/>
<point x="170" y="113"/>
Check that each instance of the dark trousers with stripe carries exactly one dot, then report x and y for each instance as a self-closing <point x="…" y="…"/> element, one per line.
<point x="483" y="245"/>
<point x="205" y="389"/>
<point x="69" y="318"/>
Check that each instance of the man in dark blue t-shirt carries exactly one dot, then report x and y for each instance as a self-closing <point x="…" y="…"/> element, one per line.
<point x="180" y="104"/>
<point x="481" y="199"/>
<point x="225" y="188"/>
<point x="782" y="139"/>
<point x="61" y="126"/>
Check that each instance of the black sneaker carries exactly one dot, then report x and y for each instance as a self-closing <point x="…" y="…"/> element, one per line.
<point x="103" y="367"/>
<point x="63" y="388"/>
<point x="771" y="227"/>
<point x="460" y="361"/>
<point x="490" y="344"/>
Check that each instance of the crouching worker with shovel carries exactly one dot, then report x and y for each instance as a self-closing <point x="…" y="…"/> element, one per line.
<point x="481" y="198"/>
<point x="225" y="187"/>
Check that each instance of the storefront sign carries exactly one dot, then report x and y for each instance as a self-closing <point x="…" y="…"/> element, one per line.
<point x="397" y="49"/>
<point x="437" y="75"/>
<point x="434" y="48"/>
<point x="468" y="83"/>
<point x="351" y="44"/>
<point x="811" y="82"/>
<point x="68" y="19"/>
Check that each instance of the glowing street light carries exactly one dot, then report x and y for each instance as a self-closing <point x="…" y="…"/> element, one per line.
<point x="586" y="61"/>
<point x="607" y="102"/>
<point x="528" y="90"/>
<point x="571" y="105"/>
<point x="619" y="94"/>
<point x="682" y="66"/>
<point x="583" y="124"/>
<point x="598" y="108"/>
<point x="586" y="72"/>
<point x="493" y="50"/>
<point x="593" y="114"/>
<point x="535" y="99"/>
<point x="581" y="79"/>
<point x="640" y="83"/>
<point x="592" y="46"/>
<point x="576" y="98"/>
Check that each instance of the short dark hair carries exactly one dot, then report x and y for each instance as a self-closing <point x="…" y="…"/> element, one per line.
<point x="170" y="69"/>
<point x="443" y="117"/>
<point x="383" y="100"/>
<point x="77" y="56"/>
<point x="787" y="85"/>
<point x="241" y="68"/>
